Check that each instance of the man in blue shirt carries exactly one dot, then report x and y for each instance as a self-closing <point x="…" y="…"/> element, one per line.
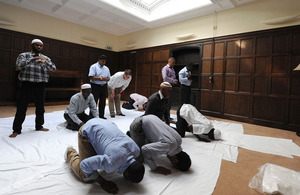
<point x="102" y="145"/>
<point x="99" y="74"/>
<point x="185" y="79"/>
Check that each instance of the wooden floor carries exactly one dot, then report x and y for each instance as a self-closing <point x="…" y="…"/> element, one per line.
<point x="234" y="177"/>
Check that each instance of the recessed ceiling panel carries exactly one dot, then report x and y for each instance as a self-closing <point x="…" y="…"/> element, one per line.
<point x="120" y="17"/>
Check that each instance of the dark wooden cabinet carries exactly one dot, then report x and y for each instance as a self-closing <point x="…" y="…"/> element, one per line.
<point x="186" y="54"/>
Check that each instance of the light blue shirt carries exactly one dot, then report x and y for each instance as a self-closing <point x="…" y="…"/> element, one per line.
<point x="115" y="150"/>
<point x="99" y="71"/>
<point x="78" y="105"/>
<point x="183" y="77"/>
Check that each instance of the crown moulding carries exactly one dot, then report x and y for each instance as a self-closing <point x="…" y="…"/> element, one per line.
<point x="186" y="36"/>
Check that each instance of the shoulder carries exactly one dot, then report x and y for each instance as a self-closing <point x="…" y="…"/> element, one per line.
<point x="75" y="97"/>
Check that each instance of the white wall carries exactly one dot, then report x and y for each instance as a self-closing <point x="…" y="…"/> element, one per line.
<point x="244" y="18"/>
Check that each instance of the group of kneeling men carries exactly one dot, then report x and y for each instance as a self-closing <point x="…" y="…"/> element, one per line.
<point x="103" y="146"/>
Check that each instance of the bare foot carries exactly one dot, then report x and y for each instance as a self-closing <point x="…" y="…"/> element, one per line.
<point x="13" y="135"/>
<point x="43" y="129"/>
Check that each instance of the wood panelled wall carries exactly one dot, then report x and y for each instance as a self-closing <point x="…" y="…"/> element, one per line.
<point x="246" y="77"/>
<point x="66" y="56"/>
<point x="253" y="78"/>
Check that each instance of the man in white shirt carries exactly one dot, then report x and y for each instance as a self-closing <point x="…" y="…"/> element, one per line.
<point x="190" y="119"/>
<point x="116" y="85"/>
<point x="185" y="79"/>
<point x="136" y="101"/>
<point x="74" y="113"/>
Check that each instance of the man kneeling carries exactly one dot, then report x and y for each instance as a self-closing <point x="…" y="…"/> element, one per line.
<point x="155" y="138"/>
<point x="190" y="119"/>
<point x="74" y="114"/>
<point x="103" y="146"/>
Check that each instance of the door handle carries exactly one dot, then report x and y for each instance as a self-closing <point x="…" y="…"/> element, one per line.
<point x="211" y="80"/>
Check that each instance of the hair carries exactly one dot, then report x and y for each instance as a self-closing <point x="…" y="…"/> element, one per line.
<point x="184" y="161"/>
<point x="190" y="64"/>
<point x="102" y="57"/>
<point x="136" y="172"/>
<point x="128" y="72"/>
<point x="171" y="58"/>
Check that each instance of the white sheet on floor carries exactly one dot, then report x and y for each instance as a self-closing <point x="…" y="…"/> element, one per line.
<point x="33" y="162"/>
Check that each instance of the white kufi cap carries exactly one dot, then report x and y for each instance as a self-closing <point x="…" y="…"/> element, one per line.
<point x="36" y="41"/>
<point x="217" y="134"/>
<point x="86" y="86"/>
<point x="165" y="84"/>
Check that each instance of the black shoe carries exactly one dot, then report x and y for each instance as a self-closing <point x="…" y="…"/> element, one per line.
<point x="102" y="117"/>
<point x="128" y="134"/>
<point x="121" y="114"/>
<point x="112" y="116"/>
<point x="298" y="133"/>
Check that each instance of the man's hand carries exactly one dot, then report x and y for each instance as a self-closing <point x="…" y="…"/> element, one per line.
<point x="108" y="186"/>
<point x="162" y="170"/>
<point x="175" y="81"/>
<point x="119" y="95"/>
<point x="40" y="59"/>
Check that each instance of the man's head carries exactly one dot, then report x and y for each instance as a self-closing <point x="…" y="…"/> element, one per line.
<point x="189" y="66"/>
<point x="181" y="161"/>
<point x="135" y="172"/>
<point x="37" y="45"/>
<point x="144" y="106"/>
<point x="166" y="89"/>
<point x="171" y="61"/>
<point x="102" y="60"/>
<point x="127" y="74"/>
<point x="86" y="90"/>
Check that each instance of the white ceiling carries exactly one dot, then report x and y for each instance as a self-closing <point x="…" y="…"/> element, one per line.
<point x="120" y="17"/>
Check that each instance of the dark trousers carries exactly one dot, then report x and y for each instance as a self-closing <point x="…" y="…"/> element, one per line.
<point x="128" y="105"/>
<point x="185" y="93"/>
<point x="170" y="100"/>
<point x="74" y="126"/>
<point x="28" y="90"/>
<point x="100" y="92"/>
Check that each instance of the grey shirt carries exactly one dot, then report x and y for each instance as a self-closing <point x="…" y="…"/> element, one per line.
<point x="78" y="105"/>
<point x="158" y="137"/>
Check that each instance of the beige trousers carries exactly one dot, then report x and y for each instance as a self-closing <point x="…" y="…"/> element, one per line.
<point x="116" y="100"/>
<point x="85" y="150"/>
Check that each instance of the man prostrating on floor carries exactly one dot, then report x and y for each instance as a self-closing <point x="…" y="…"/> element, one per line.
<point x="155" y="138"/>
<point x="102" y="145"/>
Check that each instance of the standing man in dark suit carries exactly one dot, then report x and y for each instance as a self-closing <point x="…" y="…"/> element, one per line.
<point x="99" y="74"/>
<point x="158" y="102"/>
